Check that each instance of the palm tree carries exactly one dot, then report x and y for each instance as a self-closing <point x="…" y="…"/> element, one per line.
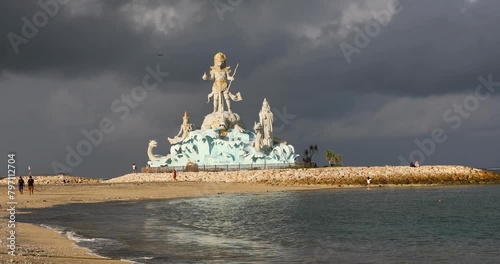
<point x="338" y="159"/>
<point x="306" y="157"/>
<point x="308" y="154"/>
<point x="313" y="150"/>
<point x="330" y="157"/>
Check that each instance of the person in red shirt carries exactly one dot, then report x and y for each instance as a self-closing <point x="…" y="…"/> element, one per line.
<point x="31" y="185"/>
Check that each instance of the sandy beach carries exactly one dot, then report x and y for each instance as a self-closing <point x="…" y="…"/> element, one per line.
<point x="40" y="245"/>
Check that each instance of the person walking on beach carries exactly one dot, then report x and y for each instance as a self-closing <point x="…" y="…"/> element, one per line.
<point x="175" y="175"/>
<point x="368" y="181"/>
<point x="21" y="184"/>
<point x="31" y="185"/>
<point x="134" y="168"/>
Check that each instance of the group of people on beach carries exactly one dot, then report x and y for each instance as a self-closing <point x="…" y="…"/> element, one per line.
<point x="31" y="185"/>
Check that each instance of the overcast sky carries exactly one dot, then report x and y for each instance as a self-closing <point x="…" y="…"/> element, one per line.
<point x="379" y="81"/>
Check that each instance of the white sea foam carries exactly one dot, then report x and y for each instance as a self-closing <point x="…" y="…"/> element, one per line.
<point x="73" y="237"/>
<point x="95" y="240"/>
<point x="78" y="240"/>
<point x="57" y="229"/>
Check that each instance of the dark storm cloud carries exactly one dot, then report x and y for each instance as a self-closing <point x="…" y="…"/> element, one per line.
<point x="65" y="79"/>
<point x="429" y="48"/>
<point x="425" y="54"/>
<point x="70" y="45"/>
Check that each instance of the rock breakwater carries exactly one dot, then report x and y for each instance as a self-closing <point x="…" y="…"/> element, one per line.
<point x="334" y="176"/>
<point x="55" y="179"/>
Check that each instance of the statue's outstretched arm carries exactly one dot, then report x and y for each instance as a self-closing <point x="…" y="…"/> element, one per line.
<point x="205" y="77"/>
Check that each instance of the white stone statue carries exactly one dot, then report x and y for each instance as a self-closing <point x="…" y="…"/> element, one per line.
<point x="220" y="74"/>
<point x="186" y="127"/>
<point x="224" y="120"/>
<point x="257" y="144"/>
<point x="266" y="118"/>
<point x="222" y="138"/>
<point x="154" y="159"/>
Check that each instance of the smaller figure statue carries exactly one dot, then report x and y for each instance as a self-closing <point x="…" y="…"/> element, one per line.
<point x="220" y="74"/>
<point x="186" y="127"/>
<point x="257" y="144"/>
<point x="266" y="118"/>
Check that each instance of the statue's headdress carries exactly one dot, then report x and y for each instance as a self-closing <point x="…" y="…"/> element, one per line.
<point x="220" y="57"/>
<point x="265" y="105"/>
<point x="185" y="117"/>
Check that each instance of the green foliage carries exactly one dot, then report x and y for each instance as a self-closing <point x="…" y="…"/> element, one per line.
<point x="334" y="158"/>
<point x="305" y="165"/>
<point x="309" y="153"/>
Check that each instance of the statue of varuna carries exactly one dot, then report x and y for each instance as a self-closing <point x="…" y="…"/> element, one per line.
<point x="220" y="74"/>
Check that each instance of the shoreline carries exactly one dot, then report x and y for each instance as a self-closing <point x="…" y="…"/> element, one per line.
<point x="39" y="244"/>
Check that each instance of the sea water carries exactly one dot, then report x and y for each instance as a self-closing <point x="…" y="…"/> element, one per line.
<point x="365" y="225"/>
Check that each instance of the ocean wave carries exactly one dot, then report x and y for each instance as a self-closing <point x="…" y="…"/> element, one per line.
<point x="73" y="237"/>
<point x="89" y="244"/>
<point x="98" y="241"/>
<point x="57" y="229"/>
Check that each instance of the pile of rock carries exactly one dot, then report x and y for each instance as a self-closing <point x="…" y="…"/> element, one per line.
<point x="143" y="177"/>
<point x="56" y="179"/>
<point x="331" y="176"/>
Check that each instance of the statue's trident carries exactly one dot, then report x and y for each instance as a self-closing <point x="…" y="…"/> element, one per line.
<point x="237" y="96"/>
<point x="230" y="82"/>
